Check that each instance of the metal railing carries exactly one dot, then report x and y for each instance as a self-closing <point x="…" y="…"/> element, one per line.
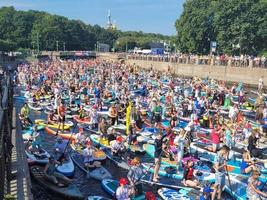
<point x="6" y="107"/>
<point x="259" y="62"/>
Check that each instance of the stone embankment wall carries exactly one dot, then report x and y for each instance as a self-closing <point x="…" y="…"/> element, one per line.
<point x="247" y="75"/>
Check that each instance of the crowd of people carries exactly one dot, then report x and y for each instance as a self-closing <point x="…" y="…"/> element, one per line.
<point x="202" y="102"/>
<point x="219" y="60"/>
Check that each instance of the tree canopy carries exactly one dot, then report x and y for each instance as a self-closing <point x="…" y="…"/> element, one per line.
<point x="35" y="29"/>
<point x="231" y="23"/>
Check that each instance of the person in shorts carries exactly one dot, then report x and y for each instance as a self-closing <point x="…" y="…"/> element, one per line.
<point x="220" y="172"/>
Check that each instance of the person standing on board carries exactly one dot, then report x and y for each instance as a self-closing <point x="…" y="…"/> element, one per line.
<point x="61" y="114"/>
<point x="157" y="155"/>
<point x="220" y="171"/>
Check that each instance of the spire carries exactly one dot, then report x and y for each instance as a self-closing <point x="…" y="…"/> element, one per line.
<point x="109" y="24"/>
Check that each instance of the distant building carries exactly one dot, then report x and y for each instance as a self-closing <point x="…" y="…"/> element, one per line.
<point x="103" y="47"/>
<point x="157" y="48"/>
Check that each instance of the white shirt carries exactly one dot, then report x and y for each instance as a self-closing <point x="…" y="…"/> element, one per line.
<point x="122" y="193"/>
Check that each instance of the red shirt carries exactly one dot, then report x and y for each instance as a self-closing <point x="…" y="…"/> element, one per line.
<point x="215" y="137"/>
<point x="190" y="174"/>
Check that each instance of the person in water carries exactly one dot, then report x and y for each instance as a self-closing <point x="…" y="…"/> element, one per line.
<point x="53" y="176"/>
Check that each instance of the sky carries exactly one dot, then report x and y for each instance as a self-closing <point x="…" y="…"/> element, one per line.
<point x="155" y="16"/>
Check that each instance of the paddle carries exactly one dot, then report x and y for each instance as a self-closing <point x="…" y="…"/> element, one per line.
<point x="229" y="180"/>
<point x="62" y="155"/>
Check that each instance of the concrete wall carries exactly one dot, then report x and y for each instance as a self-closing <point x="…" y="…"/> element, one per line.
<point x="247" y="75"/>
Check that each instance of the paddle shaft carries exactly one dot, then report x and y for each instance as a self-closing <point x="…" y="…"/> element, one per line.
<point x="229" y="180"/>
<point x="68" y="141"/>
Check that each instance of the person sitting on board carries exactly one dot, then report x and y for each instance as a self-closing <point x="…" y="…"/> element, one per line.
<point x="88" y="154"/>
<point x="252" y="145"/>
<point x="35" y="145"/>
<point x="59" y="148"/>
<point x="117" y="146"/>
<point x="206" y="194"/>
<point x="25" y="115"/>
<point x="220" y="171"/>
<point x="134" y="176"/>
<point x="123" y="192"/>
<point x="255" y="186"/>
<point x="247" y="164"/>
<point x="52" y="118"/>
<point x="80" y="137"/>
<point x="189" y="175"/>
<point x="81" y="112"/>
<point x="53" y="176"/>
<point x="111" y="134"/>
<point x="113" y="113"/>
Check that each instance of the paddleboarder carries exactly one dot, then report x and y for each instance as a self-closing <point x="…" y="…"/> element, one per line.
<point x="134" y="176"/>
<point x="55" y="177"/>
<point x="158" y="144"/>
<point x="254" y="187"/>
<point x="220" y="164"/>
<point x="25" y="115"/>
<point x="123" y="192"/>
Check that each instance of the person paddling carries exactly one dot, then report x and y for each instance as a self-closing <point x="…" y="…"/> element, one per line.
<point x="123" y="192"/>
<point x="157" y="155"/>
<point x="61" y="114"/>
<point x="220" y="172"/>
<point x="134" y="176"/>
<point x="53" y="176"/>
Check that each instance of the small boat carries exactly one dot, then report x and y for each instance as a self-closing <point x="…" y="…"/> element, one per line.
<point x="110" y="186"/>
<point x="97" y="198"/>
<point x="64" y="135"/>
<point x="38" y="157"/>
<point x="99" y="173"/>
<point x="35" y="107"/>
<point x="205" y="173"/>
<point x="86" y="121"/>
<point x="68" y="192"/>
<point x="56" y="125"/>
<point x="150" y="149"/>
<point x="66" y="167"/>
<point x="99" y="155"/>
<point x="182" y="193"/>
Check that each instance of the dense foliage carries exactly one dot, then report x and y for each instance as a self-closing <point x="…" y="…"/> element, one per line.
<point x="27" y="29"/>
<point x="237" y="26"/>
